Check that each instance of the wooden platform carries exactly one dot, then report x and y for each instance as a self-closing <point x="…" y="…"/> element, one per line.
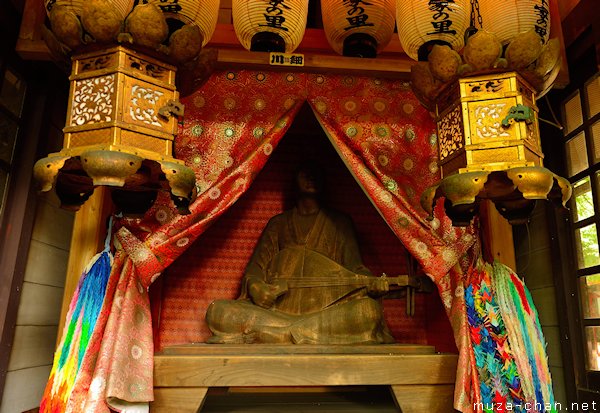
<point x="420" y="379"/>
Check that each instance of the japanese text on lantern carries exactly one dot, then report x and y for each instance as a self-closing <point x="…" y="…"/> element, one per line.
<point x="357" y="16"/>
<point x="170" y="6"/>
<point x="440" y="20"/>
<point x="274" y="14"/>
<point x="541" y="24"/>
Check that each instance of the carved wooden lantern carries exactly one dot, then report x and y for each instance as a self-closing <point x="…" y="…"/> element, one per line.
<point x="487" y="122"/>
<point x="269" y="26"/>
<point x="123" y="108"/>
<point x="121" y="122"/>
<point x="359" y="29"/>
<point x="489" y="148"/>
<point x="484" y="100"/>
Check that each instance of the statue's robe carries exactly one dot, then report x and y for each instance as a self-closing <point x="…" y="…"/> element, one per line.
<point x="318" y="258"/>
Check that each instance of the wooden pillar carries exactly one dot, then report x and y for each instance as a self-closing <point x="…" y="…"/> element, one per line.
<point x="496" y="236"/>
<point x="89" y="232"/>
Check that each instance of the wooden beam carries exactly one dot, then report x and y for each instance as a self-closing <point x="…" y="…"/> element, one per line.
<point x="279" y="349"/>
<point x="497" y="236"/>
<point x="419" y="382"/>
<point x="30" y="45"/>
<point x="379" y="67"/>
<point x="303" y="370"/>
<point x="582" y="16"/>
<point x="89" y="231"/>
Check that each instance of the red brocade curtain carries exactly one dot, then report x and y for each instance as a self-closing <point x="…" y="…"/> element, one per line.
<point x="236" y="122"/>
<point x="388" y="141"/>
<point x="232" y="125"/>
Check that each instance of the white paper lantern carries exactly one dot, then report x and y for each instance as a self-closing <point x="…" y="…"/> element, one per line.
<point x="201" y="13"/>
<point x="512" y="17"/>
<point x="358" y="28"/>
<point x="267" y="25"/>
<point x="423" y="22"/>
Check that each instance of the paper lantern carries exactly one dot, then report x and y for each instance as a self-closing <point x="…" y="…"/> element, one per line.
<point x="269" y="26"/>
<point x="514" y="17"/>
<point x="360" y="29"/>
<point x="422" y="23"/>
<point x="201" y="13"/>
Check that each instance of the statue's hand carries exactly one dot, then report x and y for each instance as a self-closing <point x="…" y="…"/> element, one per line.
<point x="263" y="294"/>
<point x="378" y="286"/>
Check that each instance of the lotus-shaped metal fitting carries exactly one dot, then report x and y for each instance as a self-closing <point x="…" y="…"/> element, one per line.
<point x="513" y="191"/>
<point x="462" y="189"/>
<point x="459" y="189"/>
<point x="182" y="182"/>
<point x="46" y="169"/>
<point x="566" y="189"/>
<point x="110" y="168"/>
<point x="534" y="182"/>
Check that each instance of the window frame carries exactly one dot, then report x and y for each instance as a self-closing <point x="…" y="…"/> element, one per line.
<point x="592" y="171"/>
<point x="588" y="379"/>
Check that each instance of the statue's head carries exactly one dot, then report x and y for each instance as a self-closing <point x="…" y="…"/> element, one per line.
<point x="309" y="180"/>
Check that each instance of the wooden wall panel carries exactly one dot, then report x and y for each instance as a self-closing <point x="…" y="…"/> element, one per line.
<point x="40" y="305"/>
<point x="559" y="384"/>
<point x="33" y="346"/>
<point x="545" y="300"/>
<point x="552" y="334"/>
<point x="23" y="386"/>
<point x="46" y="264"/>
<point x="53" y="226"/>
<point x="39" y="309"/>
<point x="533" y="255"/>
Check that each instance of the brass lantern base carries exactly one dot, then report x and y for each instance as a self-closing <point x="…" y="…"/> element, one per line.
<point x="513" y="191"/>
<point x="135" y="181"/>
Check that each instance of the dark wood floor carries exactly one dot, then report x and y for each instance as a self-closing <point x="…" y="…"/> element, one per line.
<point x="296" y="400"/>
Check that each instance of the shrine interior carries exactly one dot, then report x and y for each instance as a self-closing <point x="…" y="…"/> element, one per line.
<point x="49" y="241"/>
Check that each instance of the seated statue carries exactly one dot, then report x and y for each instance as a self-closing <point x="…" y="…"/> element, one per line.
<point x="305" y="282"/>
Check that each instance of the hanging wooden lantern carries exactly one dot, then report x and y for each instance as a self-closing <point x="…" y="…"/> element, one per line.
<point x="124" y="109"/>
<point x="489" y="148"/>
<point x="513" y="17"/>
<point x="122" y="118"/>
<point x="422" y="24"/>
<point x="360" y="29"/>
<point x="269" y="26"/>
